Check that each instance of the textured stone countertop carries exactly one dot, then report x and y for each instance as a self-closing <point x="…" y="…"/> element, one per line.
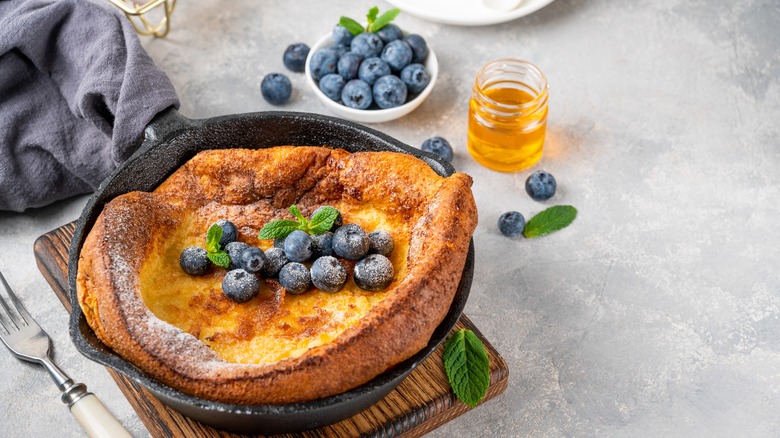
<point x="657" y="313"/>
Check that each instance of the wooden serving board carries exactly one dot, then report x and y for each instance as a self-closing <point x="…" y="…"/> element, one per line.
<point x="422" y="402"/>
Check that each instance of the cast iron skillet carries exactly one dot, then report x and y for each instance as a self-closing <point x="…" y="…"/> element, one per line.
<point x="171" y="140"/>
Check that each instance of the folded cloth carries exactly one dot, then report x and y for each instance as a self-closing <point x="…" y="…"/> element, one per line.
<point x="76" y="91"/>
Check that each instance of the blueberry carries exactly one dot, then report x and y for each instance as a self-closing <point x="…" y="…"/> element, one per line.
<point x="328" y="274"/>
<point x="252" y="259"/>
<point x="391" y="32"/>
<point x="356" y="94"/>
<point x="194" y="260"/>
<point x="511" y="223"/>
<point x="322" y="244"/>
<point x="439" y="146"/>
<point x="350" y="242"/>
<point x="297" y="246"/>
<point x="540" y="185"/>
<point x="372" y="69"/>
<point x="389" y="92"/>
<point x="348" y="65"/>
<point x="279" y="242"/>
<point x="240" y="285"/>
<point x="416" y="77"/>
<point x="276" y="88"/>
<point x="332" y="85"/>
<point x="366" y="44"/>
<point x="234" y="250"/>
<point x="323" y="62"/>
<point x="397" y="55"/>
<point x="336" y="223"/>
<point x="274" y="261"/>
<point x="294" y="57"/>
<point x="295" y="278"/>
<point x="380" y="242"/>
<point x="229" y="232"/>
<point x="374" y="273"/>
<point x="341" y="35"/>
<point x="341" y="49"/>
<point x="418" y="46"/>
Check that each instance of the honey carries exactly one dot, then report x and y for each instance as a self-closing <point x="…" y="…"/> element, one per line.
<point x="508" y="115"/>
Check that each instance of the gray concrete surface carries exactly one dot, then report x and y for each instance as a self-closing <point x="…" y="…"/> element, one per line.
<point x="657" y="313"/>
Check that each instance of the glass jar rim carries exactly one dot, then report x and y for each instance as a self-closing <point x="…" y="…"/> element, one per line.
<point x="525" y="65"/>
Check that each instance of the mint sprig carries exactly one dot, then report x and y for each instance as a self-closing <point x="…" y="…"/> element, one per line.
<point x="374" y="20"/>
<point x="319" y="223"/>
<point x="351" y="25"/>
<point x="383" y="20"/>
<point x="214" y="250"/>
<point x="549" y="220"/>
<point x="467" y="366"/>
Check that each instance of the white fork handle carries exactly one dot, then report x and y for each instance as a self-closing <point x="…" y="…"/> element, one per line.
<point x="96" y="419"/>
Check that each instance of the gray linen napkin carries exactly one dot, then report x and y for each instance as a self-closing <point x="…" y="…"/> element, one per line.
<point x="76" y="91"/>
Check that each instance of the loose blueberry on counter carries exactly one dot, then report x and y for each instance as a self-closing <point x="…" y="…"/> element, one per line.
<point x="240" y="285"/>
<point x="372" y="69"/>
<point x="511" y="223"/>
<point x="336" y="223"/>
<point x="194" y="260"/>
<point x="389" y="92"/>
<point x="332" y="85"/>
<point x="419" y="47"/>
<point x="439" y="146"/>
<point x="276" y="88"/>
<point x="252" y="259"/>
<point x="274" y="261"/>
<point x="323" y="62"/>
<point x="321" y="245"/>
<point x="540" y="186"/>
<point x="341" y="35"/>
<point x="350" y="242"/>
<point x="380" y="242"/>
<point x="397" y="55"/>
<point x="373" y="273"/>
<point x="297" y="246"/>
<point x="295" y="278"/>
<point x="234" y="250"/>
<point x="389" y="33"/>
<point x="366" y="44"/>
<point x="328" y="274"/>
<point x="416" y="77"/>
<point x="348" y="65"/>
<point x="229" y="232"/>
<point x="357" y="94"/>
<point x="294" y="57"/>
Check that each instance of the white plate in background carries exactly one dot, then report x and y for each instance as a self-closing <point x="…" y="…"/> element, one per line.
<point x="466" y="12"/>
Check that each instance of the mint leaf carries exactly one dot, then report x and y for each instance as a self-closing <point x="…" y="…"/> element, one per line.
<point x="297" y="213"/>
<point x="323" y="220"/>
<point x="384" y="20"/>
<point x="549" y="220"/>
<point x="351" y="25"/>
<point x="219" y="258"/>
<point x="279" y="228"/>
<point x="372" y="13"/>
<point x="467" y="366"/>
<point x="212" y="238"/>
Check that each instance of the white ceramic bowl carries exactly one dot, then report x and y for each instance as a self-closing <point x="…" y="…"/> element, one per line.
<point x="371" y="115"/>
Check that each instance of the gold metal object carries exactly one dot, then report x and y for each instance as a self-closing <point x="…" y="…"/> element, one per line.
<point x="136" y="13"/>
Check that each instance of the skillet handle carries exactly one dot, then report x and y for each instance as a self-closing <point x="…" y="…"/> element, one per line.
<point x="164" y="125"/>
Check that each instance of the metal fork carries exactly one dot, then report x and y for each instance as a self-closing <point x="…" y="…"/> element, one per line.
<point x="27" y="341"/>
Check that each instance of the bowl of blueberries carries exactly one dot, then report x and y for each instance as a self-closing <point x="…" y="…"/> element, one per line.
<point x="371" y="77"/>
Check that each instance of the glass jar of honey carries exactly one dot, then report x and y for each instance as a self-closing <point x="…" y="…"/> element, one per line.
<point x="508" y="115"/>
